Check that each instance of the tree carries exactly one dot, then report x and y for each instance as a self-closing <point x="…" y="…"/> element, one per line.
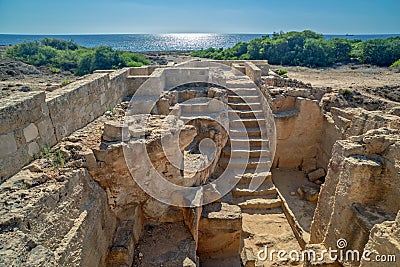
<point x="308" y="48"/>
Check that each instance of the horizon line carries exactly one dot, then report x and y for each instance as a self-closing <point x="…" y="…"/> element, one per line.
<point x="188" y="33"/>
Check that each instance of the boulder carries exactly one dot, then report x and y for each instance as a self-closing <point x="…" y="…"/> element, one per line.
<point x="308" y="192"/>
<point x="317" y="174"/>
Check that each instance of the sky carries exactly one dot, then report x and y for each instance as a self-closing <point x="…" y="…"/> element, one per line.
<point x="201" y="16"/>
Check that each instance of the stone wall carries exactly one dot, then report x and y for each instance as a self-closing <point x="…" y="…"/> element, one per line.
<point x="341" y="124"/>
<point x="35" y="120"/>
<point x="299" y="132"/>
<point x="261" y="64"/>
<point x="384" y="239"/>
<point x="57" y="222"/>
<point x="331" y="133"/>
<point x="278" y="81"/>
<point x="137" y="76"/>
<point x="252" y="71"/>
<point x="361" y="188"/>
<point x="25" y="128"/>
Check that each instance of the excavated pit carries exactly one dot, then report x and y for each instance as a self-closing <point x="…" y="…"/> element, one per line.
<point x="330" y="166"/>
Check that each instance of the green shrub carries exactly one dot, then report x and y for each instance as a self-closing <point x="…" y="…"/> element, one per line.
<point x="310" y="49"/>
<point x="55" y="156"/>
<point x="67" y="55"/>
<point x="282" y="72"/>
<point x="58" y="159"/>
<point x="55" y="70"/>
<point x="395" y="64"/>
<point x="59" y="44"/>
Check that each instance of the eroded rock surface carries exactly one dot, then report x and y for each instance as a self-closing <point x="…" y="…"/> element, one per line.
<point x="361" y="188"/>
<point x="48" y="222"/>
<point x="81" y="204"/>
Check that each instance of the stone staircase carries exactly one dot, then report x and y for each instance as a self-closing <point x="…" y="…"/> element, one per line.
<point x="248" y="148"/>
<point x="246" y="159"/>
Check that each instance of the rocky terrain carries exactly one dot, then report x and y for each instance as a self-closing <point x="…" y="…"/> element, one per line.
<point x="16" y="77"/>
<point x="330" y="171"/>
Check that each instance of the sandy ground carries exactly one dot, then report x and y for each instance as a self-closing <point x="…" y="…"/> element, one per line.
<point x="271" y="230"/>
<point x="383" y="83"/>
<point x="163" y="242"/>
<point x="287" y="182"/>
<point x="346" y="77"/>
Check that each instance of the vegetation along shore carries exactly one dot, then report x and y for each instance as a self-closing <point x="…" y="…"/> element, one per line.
<point x="310" y="49"/>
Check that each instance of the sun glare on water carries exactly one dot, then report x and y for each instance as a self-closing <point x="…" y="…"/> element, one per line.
<point x="189" y="39"/>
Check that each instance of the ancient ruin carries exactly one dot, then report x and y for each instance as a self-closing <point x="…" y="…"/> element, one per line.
<point x="203" y="163"/>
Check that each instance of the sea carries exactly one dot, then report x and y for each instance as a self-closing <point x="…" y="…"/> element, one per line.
<point x="162" y="42"/>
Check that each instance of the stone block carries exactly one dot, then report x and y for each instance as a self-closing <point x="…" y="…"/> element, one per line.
<point x="121" y="252"/>
<point x="308" y="192"/>
<point x="8" y="145"/>
<point x="163" y="106"/>
<point x="309" y="165"/>
<point x="33" y="148"/>
<point x="20" y="111"/>
<point x="315" y="175"/>
<point x="31" y="132"/>
<point x="220" y="229"/>
<point x="112" y="131"/>
<point x="46" y="132"/>
<point x="252" y="71"/>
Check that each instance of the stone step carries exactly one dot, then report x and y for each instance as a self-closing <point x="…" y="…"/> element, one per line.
<point x="245" y="106"/>
<point x="189" y="108"/>
<point x="244" y="163"/>
<point x="260" y="204"/>
<point x="190" y="116"/>
<point x="254" y="152"/>
<point x="246" y="113"/>
<point x="251" y="142"/>
<point x="201" y="106"/>
<point x="245" y="192"/>
<point x="247" y="122"/>
<point x="241" y="199"/>
<point x="245" y="83"/>
<point x="251" y="173"/>
<point x="244" y="99"/>
<point x="244" y="132"/>
<point x="244" y="92"/>
<point x="245" y="180"/>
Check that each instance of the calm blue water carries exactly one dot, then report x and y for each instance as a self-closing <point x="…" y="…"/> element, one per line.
<point x="160" y="42"/>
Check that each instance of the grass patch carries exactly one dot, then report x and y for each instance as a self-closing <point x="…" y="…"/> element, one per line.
<point x="282" y="72"/>
<point x="65" y="82"/>
<point x="55" y="156"/>
<point x="24" y="186"/>
<point x="55" y="70"/>
<point x="396" y="64"/>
